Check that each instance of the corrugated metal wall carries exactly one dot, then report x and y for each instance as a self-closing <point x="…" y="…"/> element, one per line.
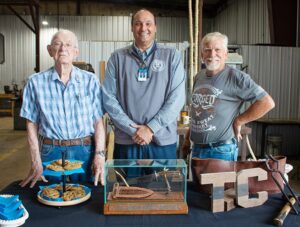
<point x="19" y="51"/>
<point x="118" y="28"/>
<point x="244" y="22"/>
<point x="114" y="30"/>
<point x="277" y="69"/>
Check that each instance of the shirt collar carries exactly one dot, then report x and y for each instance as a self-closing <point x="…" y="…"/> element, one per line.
<point x="147" y="51"/>
<point x="73" y="78"/>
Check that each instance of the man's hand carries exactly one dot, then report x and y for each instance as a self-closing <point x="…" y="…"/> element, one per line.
<point x="34" y="175"/>
<point x="237" y="129"/>
<point x="143" y="134"/>
<point x="99" y="159"/>
<point x="36" y="170"/>
<point x="98" y="169"/>
<point x="255" y="111"/>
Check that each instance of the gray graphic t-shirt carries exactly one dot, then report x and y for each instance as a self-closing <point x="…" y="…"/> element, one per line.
<point x="217" y="100"/>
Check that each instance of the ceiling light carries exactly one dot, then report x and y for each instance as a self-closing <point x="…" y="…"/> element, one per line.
<point x="44" y="22"/>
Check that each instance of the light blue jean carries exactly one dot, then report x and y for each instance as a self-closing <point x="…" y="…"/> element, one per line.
<point x="82" y="153"/>
<point x="228" y="152"/>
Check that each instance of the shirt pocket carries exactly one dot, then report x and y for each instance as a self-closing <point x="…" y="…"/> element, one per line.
<point x="84" y="105"/>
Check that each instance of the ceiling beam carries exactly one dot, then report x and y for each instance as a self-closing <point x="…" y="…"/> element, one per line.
<point x="21" y="18"/>
<point x="175" y="5"/>
<point x="209" y="10"/>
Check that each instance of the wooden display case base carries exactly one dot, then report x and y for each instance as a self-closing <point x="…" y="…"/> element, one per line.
<point x="138" y="208"/>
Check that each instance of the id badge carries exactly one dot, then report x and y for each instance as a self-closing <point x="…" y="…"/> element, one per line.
<point x="142" y="74"/>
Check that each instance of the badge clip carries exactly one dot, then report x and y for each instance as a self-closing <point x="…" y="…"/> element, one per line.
<point x="143" y="74"/>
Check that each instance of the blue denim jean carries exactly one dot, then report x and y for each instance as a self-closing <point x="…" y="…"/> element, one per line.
<point x="150" y="151"/>
<point x="82" y="153"/>
<point x="228" y="152"/>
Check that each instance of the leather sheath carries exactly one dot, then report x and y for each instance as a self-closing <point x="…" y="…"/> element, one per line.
<point x="200" y="166"/>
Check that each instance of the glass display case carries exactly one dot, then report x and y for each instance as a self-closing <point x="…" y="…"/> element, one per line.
<point x="145" y="186"/>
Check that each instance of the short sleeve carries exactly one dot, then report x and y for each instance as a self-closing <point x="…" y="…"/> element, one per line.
<point x="29" y="109"/>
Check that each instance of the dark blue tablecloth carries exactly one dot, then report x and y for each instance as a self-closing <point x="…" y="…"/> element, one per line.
<point x="90" y="213"/>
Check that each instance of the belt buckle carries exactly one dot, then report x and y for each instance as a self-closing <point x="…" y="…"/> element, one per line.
<point x="216" y="144"/>
<point x="63" y="143"/>
<point x="210" y="145"/>
<point x="86" y="140"/>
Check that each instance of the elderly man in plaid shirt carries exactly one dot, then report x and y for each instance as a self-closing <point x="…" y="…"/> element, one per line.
<point x="63" y="109"/>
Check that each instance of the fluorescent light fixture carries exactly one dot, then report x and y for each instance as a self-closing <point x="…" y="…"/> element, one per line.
<point x="44" y="22"/>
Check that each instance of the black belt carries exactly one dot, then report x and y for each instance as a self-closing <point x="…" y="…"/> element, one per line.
<point x="216" y="144"/>
<point x="73" y="142"/>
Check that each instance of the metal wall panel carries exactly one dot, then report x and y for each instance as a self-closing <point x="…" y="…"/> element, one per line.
<point x="172" y="29"/>
<point x="101" y="51"/>
<point x="295" y="78"/>
<point x="20" y="41"/>
<point x="84" y="51"/>
<point x="258" y="22"/>
<point x="207" y="26"/>
<point x="277" y="70"/>
<point x="244" y="22"/>
<point x="118" y="28"/>
<point x="19" y="52"/>
<point x="45" y="38"/>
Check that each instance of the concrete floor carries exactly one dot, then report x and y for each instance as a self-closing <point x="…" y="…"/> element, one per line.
<point x="15" y="159"/>
<point x="14" y="155"/>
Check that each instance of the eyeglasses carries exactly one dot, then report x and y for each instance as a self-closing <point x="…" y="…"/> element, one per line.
<point x="58" y="45"/>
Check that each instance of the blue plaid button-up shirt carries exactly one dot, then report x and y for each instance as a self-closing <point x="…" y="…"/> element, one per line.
<point x="63" y="112"/>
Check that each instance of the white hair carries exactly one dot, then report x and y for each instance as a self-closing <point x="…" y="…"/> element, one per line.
<point x="214" y="36"/>
<point x="65" y="31"/>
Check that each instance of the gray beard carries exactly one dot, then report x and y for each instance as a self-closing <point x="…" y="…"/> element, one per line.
<point x="212" y="67"/>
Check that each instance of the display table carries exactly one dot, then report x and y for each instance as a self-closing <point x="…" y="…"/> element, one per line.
<point x="90" y="213"/>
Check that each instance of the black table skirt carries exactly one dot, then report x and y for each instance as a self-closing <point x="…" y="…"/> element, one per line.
<point x="90" y="213"/>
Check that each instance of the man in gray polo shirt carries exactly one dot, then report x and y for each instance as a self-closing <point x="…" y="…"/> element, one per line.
<point x="143" y="93"/>
<point x="218" y="94"/>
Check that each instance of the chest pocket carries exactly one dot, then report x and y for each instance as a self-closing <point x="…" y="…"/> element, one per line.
<point x="83" y="105"/>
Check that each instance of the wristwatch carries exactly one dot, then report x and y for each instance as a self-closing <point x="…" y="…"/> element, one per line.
<point x="101" y="153"/>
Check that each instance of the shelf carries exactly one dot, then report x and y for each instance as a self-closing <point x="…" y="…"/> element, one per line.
<point x="7" y="104"/>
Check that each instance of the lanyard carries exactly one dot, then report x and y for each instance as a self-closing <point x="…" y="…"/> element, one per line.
<point x="143" y="74"/>
<point x="143" y="62"/>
